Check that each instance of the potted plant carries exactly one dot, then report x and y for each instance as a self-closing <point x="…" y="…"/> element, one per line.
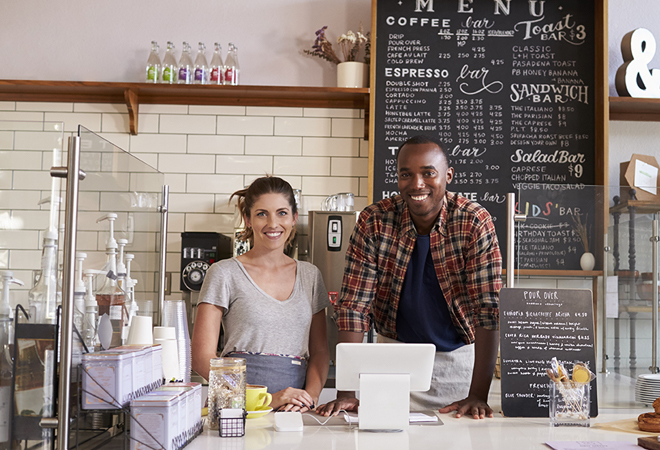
<point x="350" y="71"/>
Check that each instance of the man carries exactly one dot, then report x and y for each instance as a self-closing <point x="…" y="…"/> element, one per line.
<point x="426" y="265"/>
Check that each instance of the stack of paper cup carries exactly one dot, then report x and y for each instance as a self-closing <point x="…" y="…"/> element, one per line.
<point x="170" y="355"/>
<point x="164" y="333"/>
<point x="174" y="315"/>
<point x="140" y="332"/>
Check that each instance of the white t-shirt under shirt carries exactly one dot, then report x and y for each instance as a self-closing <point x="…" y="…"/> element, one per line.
<point x="256" y="322"/>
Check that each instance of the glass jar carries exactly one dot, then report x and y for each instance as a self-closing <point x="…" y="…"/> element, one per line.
<point x="226" y="387"/>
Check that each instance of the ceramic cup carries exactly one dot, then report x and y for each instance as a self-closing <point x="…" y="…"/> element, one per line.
<point x="256" y="397"/>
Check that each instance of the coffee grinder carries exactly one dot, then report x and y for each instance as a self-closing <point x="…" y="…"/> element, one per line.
<point x="198" y="251"/>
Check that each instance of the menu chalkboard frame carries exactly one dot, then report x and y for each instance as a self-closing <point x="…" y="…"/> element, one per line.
<point x="567" y="317"/>
<point x="600" y="138"/>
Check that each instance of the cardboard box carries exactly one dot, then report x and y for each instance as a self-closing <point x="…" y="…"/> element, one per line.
<point x="627" y="178"/>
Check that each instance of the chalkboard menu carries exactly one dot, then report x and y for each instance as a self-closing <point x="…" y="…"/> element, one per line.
<point x="508" y="86"/>
<point x="535" y="326"/>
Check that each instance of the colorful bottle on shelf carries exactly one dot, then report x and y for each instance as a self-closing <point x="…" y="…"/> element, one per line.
<point x="153" y="64"/>
<point x="217" y="67"/>
<point x="170" y="67"/>
<point x="185" y="66"/>
<point x="201" y="65"/>
<point x="232" y="69"/>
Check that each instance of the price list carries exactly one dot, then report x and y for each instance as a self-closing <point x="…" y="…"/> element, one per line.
<point x="508" y="87"/>
<point x="535" y="326"/>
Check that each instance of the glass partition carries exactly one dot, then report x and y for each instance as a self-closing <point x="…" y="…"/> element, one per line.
<point x="32" y="205"/>
<point x="566" y="221"/>
<point x="119" y="230"/>
<point x="118" y="183"/>
<point x="31" y="229"/>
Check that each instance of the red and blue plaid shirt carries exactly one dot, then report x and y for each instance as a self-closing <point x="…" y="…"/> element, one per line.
<point x="465" y="252"/>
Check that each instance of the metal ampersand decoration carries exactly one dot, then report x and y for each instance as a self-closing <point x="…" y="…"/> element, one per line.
<point x="634" y="79"/>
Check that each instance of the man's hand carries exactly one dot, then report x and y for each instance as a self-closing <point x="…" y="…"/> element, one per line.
<point x="333" y="407"/>
<point x="470" y="405"/>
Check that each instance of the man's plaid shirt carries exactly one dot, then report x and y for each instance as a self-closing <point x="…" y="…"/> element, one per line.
<point x="465" y="252"/>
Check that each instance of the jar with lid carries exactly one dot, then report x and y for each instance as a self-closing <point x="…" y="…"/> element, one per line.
<point x="226" y="387"/>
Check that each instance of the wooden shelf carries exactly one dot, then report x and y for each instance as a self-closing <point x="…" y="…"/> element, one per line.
<point x="638" y="109"/>
<point x="133" y="94"/>
<point x="556" y="273"/>
<point x="641" y="207"/>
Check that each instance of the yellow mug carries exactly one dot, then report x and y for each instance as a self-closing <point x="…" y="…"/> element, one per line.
<point x="256" y="397"/>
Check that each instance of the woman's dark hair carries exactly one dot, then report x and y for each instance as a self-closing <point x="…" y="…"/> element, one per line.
<point x="264" y="185"/>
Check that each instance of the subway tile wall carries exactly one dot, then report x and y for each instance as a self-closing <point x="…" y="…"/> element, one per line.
<point x="205" y="153"/>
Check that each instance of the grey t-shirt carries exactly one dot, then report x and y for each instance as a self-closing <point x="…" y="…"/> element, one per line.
<point x="256" y="322"/>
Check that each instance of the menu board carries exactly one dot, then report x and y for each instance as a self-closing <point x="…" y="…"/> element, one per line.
<point x="535" y="326"/>
<point x="507" y="86"/>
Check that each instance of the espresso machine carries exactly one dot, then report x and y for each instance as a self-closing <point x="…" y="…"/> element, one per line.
<point x="329" y="234"/>
<point x="198" y="251"/>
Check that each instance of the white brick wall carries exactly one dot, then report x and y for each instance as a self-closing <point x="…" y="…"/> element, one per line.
<point x="205" y="152"/>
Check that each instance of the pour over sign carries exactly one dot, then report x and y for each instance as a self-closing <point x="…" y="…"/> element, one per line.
<point x="634" y="78"/>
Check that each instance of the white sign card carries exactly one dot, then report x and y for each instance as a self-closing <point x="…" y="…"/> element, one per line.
<point x="646" y="177"/>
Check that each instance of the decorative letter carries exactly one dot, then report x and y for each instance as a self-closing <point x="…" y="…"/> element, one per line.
<point x="634" y="78"/>
<point x="422" y="3"/>
<point x="500" y="6"/>
<point x="532" y="8"/>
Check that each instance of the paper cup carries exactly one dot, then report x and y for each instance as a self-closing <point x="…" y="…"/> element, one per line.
<point x="140" y="331"/>
<point x="170" y="358"/>
<point x="164" y="333"/>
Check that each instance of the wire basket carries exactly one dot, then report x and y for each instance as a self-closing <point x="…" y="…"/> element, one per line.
<point x="232" y="422"/>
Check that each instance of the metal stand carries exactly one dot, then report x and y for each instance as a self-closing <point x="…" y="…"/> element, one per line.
<point x="35" y="346"/>
<point x="654" y="323"/>
<point x="511" y="219"/>
<point x="606" y="250"/>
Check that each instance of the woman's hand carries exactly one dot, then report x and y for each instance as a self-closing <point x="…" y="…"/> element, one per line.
<point x="333" y="407"/>
<point x="291" y="399"/>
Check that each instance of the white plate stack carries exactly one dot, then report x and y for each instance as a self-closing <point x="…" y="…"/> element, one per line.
<point x="647" y="389"/>
<point x="175" y="316"/>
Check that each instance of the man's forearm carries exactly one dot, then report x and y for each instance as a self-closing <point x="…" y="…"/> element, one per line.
<point x="486" y="345"/>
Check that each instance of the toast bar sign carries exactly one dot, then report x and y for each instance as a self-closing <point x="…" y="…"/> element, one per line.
<point x="634" y="78"/>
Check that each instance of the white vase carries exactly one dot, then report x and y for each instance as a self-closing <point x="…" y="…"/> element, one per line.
<point x="587" y="261"/>
<point x="352" y="74"/>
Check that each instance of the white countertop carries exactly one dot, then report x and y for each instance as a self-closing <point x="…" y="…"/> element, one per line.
<point x="616" y="402"/>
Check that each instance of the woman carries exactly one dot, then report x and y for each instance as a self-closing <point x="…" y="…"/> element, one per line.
<point x="272" y="306"/>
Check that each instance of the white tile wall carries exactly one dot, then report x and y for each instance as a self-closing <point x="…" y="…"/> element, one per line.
<point x="291" y="126"/>
<point x="205" y="152"/>
<point x="348" y="128"/>
<point x="248" y="126"/>
<point x="6" y="179"/>
<point x="330" y="147"/>
<point x="255" y="165"/>
<point x="186" y="163"/>
<point x="158" y="143"/>
<point x="217" y="145"/>
<point x="187" y="124"/>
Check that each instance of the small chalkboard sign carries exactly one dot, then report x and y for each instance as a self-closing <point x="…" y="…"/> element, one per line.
<point x="535" y="326"/>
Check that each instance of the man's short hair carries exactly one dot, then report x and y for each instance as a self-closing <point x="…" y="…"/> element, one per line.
<point x="421" y="139"/>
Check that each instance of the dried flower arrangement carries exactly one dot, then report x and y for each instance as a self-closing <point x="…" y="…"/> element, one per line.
<point x="350" y="43"/>
<point x="582" y="230"/>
